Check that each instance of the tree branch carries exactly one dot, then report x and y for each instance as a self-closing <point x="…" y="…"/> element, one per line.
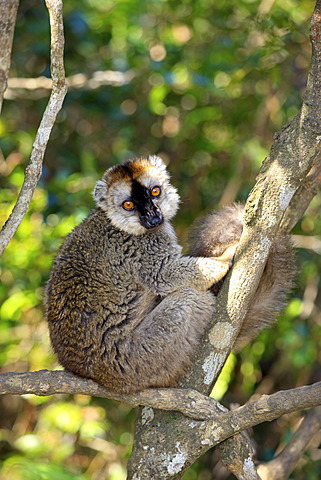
<point x="37" y="87"/>
<point x="209" y="433"/>
<point x="281" y="466"/>
<point x="46" y="382"/>
<point x="302" y="198"/>
<point x="59" y="90"/>
<point x="8" y="15"/>
<point x="237" y="455"/>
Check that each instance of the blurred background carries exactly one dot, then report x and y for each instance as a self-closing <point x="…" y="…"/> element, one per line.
<point x="205" y="85"/>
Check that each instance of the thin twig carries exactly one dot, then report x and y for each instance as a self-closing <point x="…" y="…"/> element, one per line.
<point x="59" y="90"/>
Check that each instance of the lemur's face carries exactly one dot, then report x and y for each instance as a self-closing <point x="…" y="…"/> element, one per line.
<point x="137" y="195"/>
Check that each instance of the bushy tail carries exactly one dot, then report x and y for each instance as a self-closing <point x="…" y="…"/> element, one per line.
<point x="221" y="229"/>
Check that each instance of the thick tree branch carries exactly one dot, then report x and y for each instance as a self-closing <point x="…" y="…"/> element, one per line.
<point x="8" y="15"/>
<point x="237" y="454"/>
<point x="46" y="382"/>
<point x="59" y="90"/>
<point x="208" y="433"/>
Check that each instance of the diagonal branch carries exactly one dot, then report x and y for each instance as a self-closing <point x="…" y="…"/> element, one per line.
<point x="59" y="90"/>
<point x="237" y="451"/>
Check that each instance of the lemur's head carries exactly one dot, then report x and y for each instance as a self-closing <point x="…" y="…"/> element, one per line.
<point x="137" y="195"/>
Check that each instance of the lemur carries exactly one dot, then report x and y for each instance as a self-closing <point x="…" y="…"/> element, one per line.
<point x="125" y="307"/>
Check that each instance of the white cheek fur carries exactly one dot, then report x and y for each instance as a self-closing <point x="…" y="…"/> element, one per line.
<point x="127" y="222"/>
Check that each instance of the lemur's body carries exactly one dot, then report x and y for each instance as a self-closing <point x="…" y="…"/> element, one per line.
<point x="124" y="307"/>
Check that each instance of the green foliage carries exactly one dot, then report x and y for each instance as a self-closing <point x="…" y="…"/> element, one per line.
<point x="21" y="468"/>
<point x="212" y="82"/>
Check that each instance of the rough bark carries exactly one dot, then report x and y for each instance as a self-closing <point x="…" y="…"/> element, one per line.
<point x="8" y="15"/>
<point x="295" y="152"/>
<point x="45" y="382"/>
<point x="59" y="90"/>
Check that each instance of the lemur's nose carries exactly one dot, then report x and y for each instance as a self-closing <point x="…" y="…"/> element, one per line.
<point x="156" y="220"/>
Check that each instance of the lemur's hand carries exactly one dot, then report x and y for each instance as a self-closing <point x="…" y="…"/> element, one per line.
<point x="228" y="255"/>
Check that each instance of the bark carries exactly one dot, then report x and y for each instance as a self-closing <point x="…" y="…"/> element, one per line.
<point x="45" y="382"/>
<point x="206" y="434"/>
<point x="302" y="198"/>
<point x="8" y="15"/>
<point x="295" y="152"/>
<point x="59" y="90"/>
<point x="237" y="456"/>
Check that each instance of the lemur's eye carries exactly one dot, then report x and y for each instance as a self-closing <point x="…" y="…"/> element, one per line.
<point x="128" y="205"/>
<point x="156" y="191"/>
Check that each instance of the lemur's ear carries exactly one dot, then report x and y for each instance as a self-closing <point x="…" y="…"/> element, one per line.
<point x="158" y="162"/>
<point x="99" y="192"/>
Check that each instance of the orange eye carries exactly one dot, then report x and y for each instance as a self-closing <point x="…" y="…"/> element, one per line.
<point x="128" y="205"/>
<point x="156" y="191"/>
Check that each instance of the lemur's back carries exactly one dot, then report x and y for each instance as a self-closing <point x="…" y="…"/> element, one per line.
<point x="94" y="294"/>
